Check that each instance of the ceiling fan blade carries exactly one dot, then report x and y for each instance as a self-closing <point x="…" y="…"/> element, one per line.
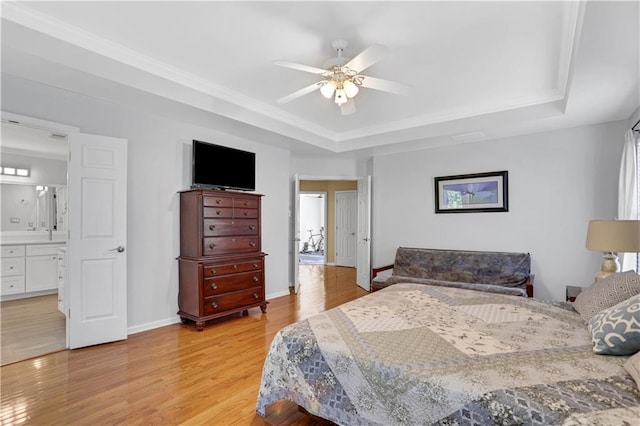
<point x="300" y="67"/>
<point x="384" y="85"/>
<point x="301" y="92"/>
<point x="348" y="107"/>
<point x="367" y="57"/>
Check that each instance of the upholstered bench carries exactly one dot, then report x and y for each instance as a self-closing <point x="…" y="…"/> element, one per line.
<point x="496" y="272"/>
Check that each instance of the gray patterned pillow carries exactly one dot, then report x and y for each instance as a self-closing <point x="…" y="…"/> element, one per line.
<point x="616" y="331"/>
<point x="606" y="293"/>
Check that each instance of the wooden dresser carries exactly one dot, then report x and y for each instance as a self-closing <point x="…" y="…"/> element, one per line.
<point x="221" y="264"/>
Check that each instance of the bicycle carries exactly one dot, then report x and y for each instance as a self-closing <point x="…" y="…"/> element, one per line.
<point x="317" y="246"/>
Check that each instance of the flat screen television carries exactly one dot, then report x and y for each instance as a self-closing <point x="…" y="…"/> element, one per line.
<point x="221" y="167"/>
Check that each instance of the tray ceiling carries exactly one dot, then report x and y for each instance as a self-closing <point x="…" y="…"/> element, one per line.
<point x="477" y="70"/>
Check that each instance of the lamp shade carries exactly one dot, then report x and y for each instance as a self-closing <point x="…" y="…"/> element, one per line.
<point x="614" y="236"/>
<point x="350" y="88"/>
<point x="328" y="88"/>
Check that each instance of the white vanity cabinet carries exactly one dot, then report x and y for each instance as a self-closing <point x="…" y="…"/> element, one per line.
<point x="41" y="267"/>
<point x="12" y="269"/>
<point x="29" y="269"/>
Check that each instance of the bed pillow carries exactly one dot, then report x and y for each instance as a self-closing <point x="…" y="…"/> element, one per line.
<point x="606" y="293"/>
<point x="616" y="330"/>
<point x="633" y="367"/>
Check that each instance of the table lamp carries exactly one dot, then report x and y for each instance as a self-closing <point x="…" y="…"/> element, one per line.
<point x="611" y="237"/>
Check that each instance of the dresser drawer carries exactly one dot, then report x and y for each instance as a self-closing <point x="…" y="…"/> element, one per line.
<point x="219" y="245"/>
<point x="11" y="266"/>
<point x="12" y="251"/>
<point x="214" y="201"/>
<point x="222" y="227"/>
<point x="217" y="304"/>
<point x="232" y="268"/>
<point x="217" y="212"/>
<point x="12" y="285"/>
<point x="249" y="203"/>
<point x="230" y="283"/>
<point x="245" y="213"/>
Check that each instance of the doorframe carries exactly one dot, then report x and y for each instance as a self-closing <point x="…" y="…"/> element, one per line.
<point x="297" y="178"/>
<point x="56" y="127"/>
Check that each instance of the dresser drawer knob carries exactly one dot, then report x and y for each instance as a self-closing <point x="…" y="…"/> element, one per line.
<point x="213" y="272"/>
<point x="218" y="201"/>
<point x="252" y="243"/>
<point x="246" y="203"/>
<point x="218" y="212"/>
<point x="252" y="227"/>
<point x="255" y="265"/>
<point x="214" y="305"/>
<point x="212" y="227"/>
<point x="255" y="295"/>
<point x="235" y="266"/>
<point x="212" y="246"/>
<point x="214" y="286"/>
<point x="256" y="279"/>
<point x="245" y="213"/>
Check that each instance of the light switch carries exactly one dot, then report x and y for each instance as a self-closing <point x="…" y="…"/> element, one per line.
<point x="14" y="220"/>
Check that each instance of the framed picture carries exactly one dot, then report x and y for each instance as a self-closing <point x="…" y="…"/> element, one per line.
<point x="480" y="192"/>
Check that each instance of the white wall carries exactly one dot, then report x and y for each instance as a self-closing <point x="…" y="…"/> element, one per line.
<point x="324" y="167"/>
<point x="156" y="172"/>
<point x="558" y="181"/>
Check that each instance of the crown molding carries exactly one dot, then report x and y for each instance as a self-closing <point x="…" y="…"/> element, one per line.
<point x="25" y="16"/>
<point x="278" y="119"/>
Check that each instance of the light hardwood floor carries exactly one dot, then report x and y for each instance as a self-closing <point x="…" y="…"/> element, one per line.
<point x="31" y="327"/>
<point x="172" y="375"/>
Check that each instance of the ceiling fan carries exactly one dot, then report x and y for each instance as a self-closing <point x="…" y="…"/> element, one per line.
<point x="342" y="79"/>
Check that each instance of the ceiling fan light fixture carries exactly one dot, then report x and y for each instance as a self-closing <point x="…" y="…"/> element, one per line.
<point x="350" y="88"/>
<point x="327" y="89"/>
<point x="341" y="96"/>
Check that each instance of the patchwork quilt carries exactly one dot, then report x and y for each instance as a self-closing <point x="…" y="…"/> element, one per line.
<point x="417" y="354"/>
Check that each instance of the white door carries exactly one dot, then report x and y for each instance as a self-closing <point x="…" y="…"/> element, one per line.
<point x="363" y="278"/>
<point x="346" y="227"/>
<point x="96" y="287"/>
<point x="295" y="244"/>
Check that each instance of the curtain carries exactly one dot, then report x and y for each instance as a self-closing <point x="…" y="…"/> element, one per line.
<point x="629" y="191"/>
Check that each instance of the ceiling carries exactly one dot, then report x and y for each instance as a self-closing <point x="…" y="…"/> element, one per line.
<point x="477" y="70"/>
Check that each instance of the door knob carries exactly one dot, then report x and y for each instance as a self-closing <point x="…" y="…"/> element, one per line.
<point x="119" y="249"/>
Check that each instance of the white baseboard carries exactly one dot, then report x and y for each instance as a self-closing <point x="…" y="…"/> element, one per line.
<point x="176" y="320"/>
<point x="151" y="325"/>
<point x="278" y="294"/>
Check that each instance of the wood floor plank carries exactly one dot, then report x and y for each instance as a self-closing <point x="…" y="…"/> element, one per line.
<point x="172" y="375"/>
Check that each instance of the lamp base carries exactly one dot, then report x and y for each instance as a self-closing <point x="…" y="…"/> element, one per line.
<point x="610" y="265"/>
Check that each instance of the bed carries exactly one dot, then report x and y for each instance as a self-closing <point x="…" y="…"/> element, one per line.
<point x="422" y="354"/>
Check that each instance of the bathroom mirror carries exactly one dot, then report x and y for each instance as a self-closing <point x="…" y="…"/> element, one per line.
<point x="28" y="207"/>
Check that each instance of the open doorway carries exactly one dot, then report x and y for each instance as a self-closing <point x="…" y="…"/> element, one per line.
<point x="33" y="232"/>
<point x="331" y="190"/>
<point x="362" y="188"/>
<point x="313" y="208"/>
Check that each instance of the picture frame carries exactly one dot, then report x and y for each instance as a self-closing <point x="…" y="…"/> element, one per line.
<point x="472" y="193"/>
